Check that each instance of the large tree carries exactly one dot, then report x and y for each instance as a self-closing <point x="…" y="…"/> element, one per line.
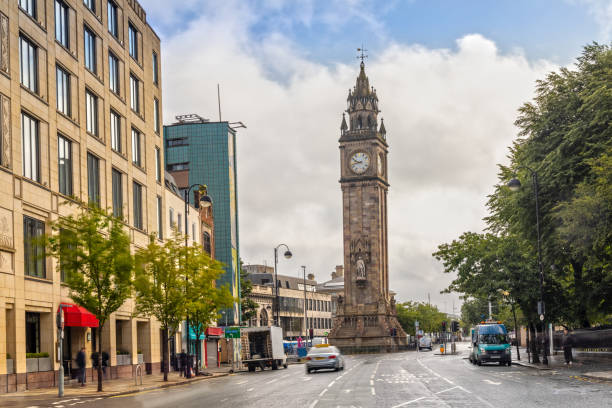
<point x="247" y="305"/>
<point x="160" y="287"/>
<point x="429" y="317"/>
<point x="93" y="251"/>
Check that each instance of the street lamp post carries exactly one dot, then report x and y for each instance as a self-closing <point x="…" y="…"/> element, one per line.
<point x="505" y="293"/>
<point x="287" y="255"/>
<point x="515" y="185"/>
<point x="206" y="202"/>
<point x="305" y="307"/>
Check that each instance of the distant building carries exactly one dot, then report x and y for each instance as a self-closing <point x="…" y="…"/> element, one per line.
<point x="334" y="287"/>
<point x="199" y="151"/>
<point x="291" y="297"/>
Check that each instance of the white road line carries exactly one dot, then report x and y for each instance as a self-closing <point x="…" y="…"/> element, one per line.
<point x="323" y="392"/>
<point x="242" y="382"/>
<point x="224" y="399"/>
<point x="372" y="383"/>
<point x="449" y="389"/>
<point x="272" y="381"/>
<point x="373" y="392"/>
<point x="250" y="389"/>
<point x="492" y="382"/>
<point x="313" y="404"/>
<point x="434" y="373"/>
<point x="331" y="383"/>
<point x="408" y="402"/>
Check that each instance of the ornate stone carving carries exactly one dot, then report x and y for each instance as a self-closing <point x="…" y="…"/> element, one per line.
<point x="360" y="249"/>
<point x="4" y="43"/>
<point x="5" y="131"/>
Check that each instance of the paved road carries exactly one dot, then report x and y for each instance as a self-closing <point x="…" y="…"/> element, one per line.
<point x="383" y="381"/>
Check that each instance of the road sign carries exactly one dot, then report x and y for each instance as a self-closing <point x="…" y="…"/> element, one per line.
<point x="232" y="332"/>
<point x="542" y="317"/>
<point x="416" y="323"/>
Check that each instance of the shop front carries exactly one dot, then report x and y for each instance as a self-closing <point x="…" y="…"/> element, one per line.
<point x="213" y="336"/>
<point x="77" y="324"/>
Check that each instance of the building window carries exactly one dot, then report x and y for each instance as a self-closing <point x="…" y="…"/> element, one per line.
<point x="32" y="332"/>
<point x="91" y="113"/>
<point x="28" y="64"/>
<point x="93" y="179"/>
<point x="160" y="225"/>
<point x="181" y="141"/>
<point x="29" y="6"/>
<point x="30" y="147"/>
<point x="62" y="35"/>
<point x="156" y="115"/>
<point x="133" y="39"/>
<point x="64" y="163"/>
<point x="178" y="166"/>
<point x="90" y="50"/>
<point x="115" y="131"/>
<point x="138" y="206"/>
<point x="134" y="94"/>
<point x="206" y="242"/>
<point x="113" y="26"/>
<point x="136" y="148"/>
<point x="117" y="194"/>
<point x="157" y="164"/>
<point x="113" y="73"/>
<point x="155" y="69"/>
<point x="193" y="233"/>
<point x="34" y="250"/>
<point x="180" y="222"/>
<point x="62" y="81"/>
<point x="90" y="4"/>
<point x="171" y="213"/>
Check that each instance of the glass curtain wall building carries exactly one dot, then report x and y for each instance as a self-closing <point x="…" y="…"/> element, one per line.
<point x="207" y="151"/>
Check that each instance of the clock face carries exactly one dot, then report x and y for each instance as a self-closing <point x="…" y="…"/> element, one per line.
<point x="380" y="164"/>
<point x="360" y="162"/>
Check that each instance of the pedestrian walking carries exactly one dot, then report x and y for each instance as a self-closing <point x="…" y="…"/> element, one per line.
<point x="80" y="360"/>
<point x="568" y="343"/>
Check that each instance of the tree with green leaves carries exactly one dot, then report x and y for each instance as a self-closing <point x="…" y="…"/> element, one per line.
<point x="160" y="287"/>
<point x="203" y="300"/>
<point x="247" y="305"/>
<point x="93" y="251"/>
<point x="429" y="317"/>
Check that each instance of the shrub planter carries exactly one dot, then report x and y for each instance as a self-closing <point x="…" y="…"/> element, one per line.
<point x="10" y="366"/>
<point x="31" y="365"/>
<point x="140" y="359"/>
<point x="124" y="359"/>
<point x="44" y="364"/>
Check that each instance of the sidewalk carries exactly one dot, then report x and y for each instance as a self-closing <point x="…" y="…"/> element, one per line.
<point x="600" y="369"/>
<point x="120" y="386"/>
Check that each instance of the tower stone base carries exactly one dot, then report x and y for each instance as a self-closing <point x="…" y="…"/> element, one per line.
<point x="371" y="328"/>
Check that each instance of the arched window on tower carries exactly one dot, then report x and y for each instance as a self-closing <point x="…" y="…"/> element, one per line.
<point x="359" y="122"/>
<point x="370" y="122"/>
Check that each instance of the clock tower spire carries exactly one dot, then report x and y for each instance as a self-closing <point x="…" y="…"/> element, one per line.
<point x="366" y="317"/>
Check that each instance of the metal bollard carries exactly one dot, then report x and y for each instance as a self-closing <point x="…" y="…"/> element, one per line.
<point x="138" y="368"/>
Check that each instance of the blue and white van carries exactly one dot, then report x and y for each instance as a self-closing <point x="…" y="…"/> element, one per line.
<point x="490" y="344"/>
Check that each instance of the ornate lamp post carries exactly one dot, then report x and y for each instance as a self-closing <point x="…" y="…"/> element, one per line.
<point x="515" y="185"/>
<point x="287" y="255"/>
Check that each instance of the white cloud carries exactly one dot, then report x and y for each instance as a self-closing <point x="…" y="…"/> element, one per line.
<point x="601" y="10"/>
<point x="449" y="116"/>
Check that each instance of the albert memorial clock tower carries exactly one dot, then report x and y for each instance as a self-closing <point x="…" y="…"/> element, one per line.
<point x="366" y="318"/>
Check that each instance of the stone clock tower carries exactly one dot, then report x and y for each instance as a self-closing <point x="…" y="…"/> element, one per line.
<point x="366" y="318"/>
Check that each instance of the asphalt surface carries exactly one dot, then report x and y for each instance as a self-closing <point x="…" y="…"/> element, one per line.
<point x="408" y="379"/>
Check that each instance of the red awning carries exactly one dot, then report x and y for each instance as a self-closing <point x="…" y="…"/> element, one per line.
<point x="77" y="316"/>
<point x="214" y="331"/>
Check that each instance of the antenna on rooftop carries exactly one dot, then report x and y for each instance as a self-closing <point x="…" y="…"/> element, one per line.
<point x="362" y="56"/>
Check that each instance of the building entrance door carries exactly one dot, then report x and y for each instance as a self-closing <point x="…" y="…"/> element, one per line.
<point x="67" y="351"/>
<point x="211" y="353"/>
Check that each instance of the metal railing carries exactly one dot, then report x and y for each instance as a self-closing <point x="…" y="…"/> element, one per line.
<point x="139" y="368"/>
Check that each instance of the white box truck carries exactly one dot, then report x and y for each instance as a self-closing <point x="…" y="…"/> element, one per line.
<point x="262" y="347"/>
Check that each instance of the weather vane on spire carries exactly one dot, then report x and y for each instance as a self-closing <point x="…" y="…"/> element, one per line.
<point x="363" y="54"/>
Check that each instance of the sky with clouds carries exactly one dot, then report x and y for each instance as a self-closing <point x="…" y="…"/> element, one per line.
<point x="450" y="77"/>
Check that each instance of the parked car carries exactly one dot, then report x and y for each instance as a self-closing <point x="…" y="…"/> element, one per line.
<point x="425" y="343"/>
<point x="324" y="356"/>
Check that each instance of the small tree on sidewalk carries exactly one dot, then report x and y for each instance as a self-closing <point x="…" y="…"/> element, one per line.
<point x="160" y="287"/>
<point x="204" y="299"/>
<point x="94" y="255"/>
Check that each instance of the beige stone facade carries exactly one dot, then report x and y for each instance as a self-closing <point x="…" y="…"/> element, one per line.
<point x="60" y="80"/>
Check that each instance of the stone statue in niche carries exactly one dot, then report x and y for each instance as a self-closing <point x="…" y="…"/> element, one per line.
<point x="360" y="269"/>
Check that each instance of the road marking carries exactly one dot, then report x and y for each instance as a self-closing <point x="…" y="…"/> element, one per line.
<point x="408" y="402"/>
<point x="272" y="381"/>
<point x="224" y="399"/>
<point x="323" y="392"/>
<point x="250" y="389"/>
<point x="313" y="404"/>
<point x="242" y="382"/>
<point x="449" y="389"/>
<point x="331" y="383"/>
<point x="434" y="373"/>
<point x="492" y="382"/>
<point x="373" y="392"/>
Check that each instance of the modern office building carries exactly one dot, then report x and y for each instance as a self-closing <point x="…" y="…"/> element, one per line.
<point x="207" y="150"/>
<point x="80" y="116"/>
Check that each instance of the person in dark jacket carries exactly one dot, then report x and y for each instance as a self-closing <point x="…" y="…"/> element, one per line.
<point x="80" y="360"/>
<point x="568" y="343"/>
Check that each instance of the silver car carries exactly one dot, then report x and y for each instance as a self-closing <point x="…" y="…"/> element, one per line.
<point x="324" y="356"/>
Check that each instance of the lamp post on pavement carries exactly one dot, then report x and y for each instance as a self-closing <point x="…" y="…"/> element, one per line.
<point x="206" y="202"/>
<point x="287" y="255"/>
<point x="505" y="293"/>
<point x="305" y="307"/>
<point x="515" y="185"/>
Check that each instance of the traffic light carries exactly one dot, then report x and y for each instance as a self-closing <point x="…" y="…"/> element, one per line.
<point x="454" y="326"/>
<point x="444" y="325"/>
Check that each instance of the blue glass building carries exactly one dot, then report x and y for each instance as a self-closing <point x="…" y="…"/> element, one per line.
<point x="207" y="150"/>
